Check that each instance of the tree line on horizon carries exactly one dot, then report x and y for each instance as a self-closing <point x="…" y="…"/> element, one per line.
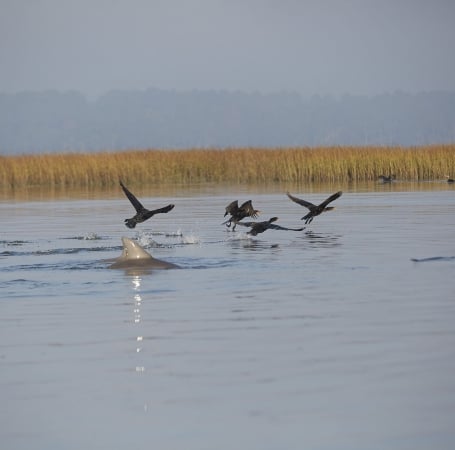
<point x="52" y="121"/>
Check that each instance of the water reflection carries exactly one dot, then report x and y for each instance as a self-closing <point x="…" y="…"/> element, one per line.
<point x="322" y="239"/>
<point x="250" y="244"/>
<point x="137" y="303"/>
<point x="213" y="189"/>
<point x="137" y="272"/>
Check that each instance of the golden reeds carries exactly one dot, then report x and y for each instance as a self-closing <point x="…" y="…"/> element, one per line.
<point x="238" y="165"/>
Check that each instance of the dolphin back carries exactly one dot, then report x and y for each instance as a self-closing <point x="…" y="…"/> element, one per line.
<point x="133" y="255"/>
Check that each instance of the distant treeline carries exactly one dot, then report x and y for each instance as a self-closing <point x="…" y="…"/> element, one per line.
<point x="235" y="166"/>
<point x="54" y="121"/>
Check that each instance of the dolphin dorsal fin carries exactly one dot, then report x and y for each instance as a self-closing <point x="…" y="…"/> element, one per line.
<point x="132" y="250"/>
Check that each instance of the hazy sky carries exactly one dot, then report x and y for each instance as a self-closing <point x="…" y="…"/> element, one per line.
<point x="309" y="46"/>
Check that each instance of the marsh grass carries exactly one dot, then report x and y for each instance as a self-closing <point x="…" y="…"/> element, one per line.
<point x="236" y="166"/>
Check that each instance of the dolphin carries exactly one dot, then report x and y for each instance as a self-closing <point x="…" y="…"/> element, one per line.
<point x="134" y="256"/>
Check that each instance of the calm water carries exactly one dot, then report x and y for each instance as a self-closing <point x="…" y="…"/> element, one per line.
<point x="330" y="338"/>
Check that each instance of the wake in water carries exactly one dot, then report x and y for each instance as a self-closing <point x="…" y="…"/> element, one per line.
<point x="86" y="237"/>
<point x="434" y="258"/>
<point x="167" y="234"/>
<point x="14" y="243"/>
<point x="239" y="236"/>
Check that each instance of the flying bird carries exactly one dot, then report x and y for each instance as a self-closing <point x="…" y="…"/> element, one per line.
<point x="315" y="210"/>
<point x="238" y="213"/>
<point x="142" y="214"/>
<point x="260" y="227"/>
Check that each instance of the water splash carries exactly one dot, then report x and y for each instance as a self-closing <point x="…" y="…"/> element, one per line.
<point x="146" y="240"/>
<point x="190" y="239"/>
<point x="91" y="237"/>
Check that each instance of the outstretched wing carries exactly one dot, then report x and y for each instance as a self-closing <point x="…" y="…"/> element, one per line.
<point x="165" y="209"/>
<point x="247" y="207"/>
<point x="330" y="199"/>
<point x="232" y="208"/>
<point x="301" y="201"/>
<point x="134" y="201"/>
<point x="278" y="227"/>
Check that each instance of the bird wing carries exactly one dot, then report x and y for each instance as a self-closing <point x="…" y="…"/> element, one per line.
<point x="164" y="209"/>
<point x="301" y="201"/>
<point x="232" y="208"/>
<point x="134" y="201"/>
<point x="247" y="207"/>
<point x="330" y="199"/>
<point x="278" y="227"/>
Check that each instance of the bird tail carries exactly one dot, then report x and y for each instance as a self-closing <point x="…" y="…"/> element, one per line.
<point x="165" y="209"/>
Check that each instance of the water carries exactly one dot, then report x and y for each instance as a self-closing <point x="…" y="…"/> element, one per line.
<point x="330" y="338"/>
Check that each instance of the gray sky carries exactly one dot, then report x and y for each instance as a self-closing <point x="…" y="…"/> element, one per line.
<point x="310" y="46"/>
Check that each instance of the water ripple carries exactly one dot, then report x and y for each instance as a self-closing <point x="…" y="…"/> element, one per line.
<point x="434" y="258"/>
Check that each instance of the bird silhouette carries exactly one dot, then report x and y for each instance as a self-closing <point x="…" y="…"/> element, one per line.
<point x="142" y="214"/>
<point x="315" y="210"/>
<point x="450" y="180"/>
<point x="238" y="213"/>
<point x="260" y="227"/>
<point x="385" y="179"/>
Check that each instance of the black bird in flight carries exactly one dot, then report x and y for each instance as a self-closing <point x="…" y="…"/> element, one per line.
<point x="238" y="213"/>
<point x="142" y="214"/>
<point x="315" y="210"/>
<point x="260" y="227"/>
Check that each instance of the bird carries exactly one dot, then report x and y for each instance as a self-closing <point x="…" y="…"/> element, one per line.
<point x="142" y="214"/>
<point x="385" y="179"/>
<point x="450" y="180"/>
<point x="238" y="213"/>
<point x="315" y="210"/>
<point x="260" y="227"/>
